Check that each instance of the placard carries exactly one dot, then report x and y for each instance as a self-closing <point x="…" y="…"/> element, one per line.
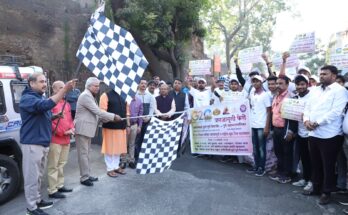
<point x="303" y="43"/>
<point x="292" y="109"/>
<point x="200" y="67"/>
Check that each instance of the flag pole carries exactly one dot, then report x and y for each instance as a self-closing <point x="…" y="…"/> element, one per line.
<point x="76" y="74"/>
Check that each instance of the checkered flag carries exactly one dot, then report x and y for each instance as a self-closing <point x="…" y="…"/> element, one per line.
<point x="111" y="53"/>
<point x="160" y="145"/>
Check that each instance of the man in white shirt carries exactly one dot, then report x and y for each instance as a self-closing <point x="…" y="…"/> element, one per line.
<point x="260" y="113"/>
<point x="302" y="84"/>
<point x="201" y="96"/>
<point x="323" y="118"/>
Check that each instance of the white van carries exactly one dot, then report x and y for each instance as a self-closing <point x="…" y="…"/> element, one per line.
<point x="13" y="81"/>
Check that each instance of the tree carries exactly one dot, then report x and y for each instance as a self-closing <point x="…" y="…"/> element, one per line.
<point x="242" y="23"/>
<point x="161" y="27"/>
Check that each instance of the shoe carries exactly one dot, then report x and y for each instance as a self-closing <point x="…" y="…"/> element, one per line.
<point x="37" y="211"/>
<point x="87" y="183"/>
<point x="309" y="186"/>
<point x="274" y="177"/>
<point x="324" y="199"/>
<point x="44" y="204"/>
<point x="284" y="180"/>
<point x="310" y="193"/>
<point x="93" y="178"/>
<point x="300" y="183"/>
<point x="251" y="170"/>
<point x="226" y="159"/>
<point x="132" y="165"/>
<point x="344" y="203"/>
<point x="197" y="155"/>
<point x="345" y="211"/>
<point x="120" y="171"/>
<point x="57" y="195"/>
<point x="260" y="172"/>
<point x="122" y="165"/>
<point x="340" y="190"/>
<point x="65" y="190"/>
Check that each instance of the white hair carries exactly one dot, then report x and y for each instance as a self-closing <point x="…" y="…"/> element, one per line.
<point x="90" y="81"/>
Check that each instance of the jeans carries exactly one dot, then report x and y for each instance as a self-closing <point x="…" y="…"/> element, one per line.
<point x="259" y="147"/>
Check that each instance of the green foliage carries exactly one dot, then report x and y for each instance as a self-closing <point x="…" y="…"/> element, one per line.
<point x="240" y="24"/>
<point x="162" y="24"/>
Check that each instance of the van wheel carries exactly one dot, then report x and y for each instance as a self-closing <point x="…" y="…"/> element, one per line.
<point x="9" y="178"/>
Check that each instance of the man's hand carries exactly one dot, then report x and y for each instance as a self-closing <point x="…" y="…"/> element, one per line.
<point x="138" y="130"/>
<point x="69" y="132"/>
<point x="146" y="119"/>
<point x="289" y="137"/>
<point x="309" y="125"/>
<point x="70" y="85"/>
<point x="266" y="132"/>
<point x="235" y="60"/>
<point x="265" y="58"/>
<point x="117" y="118"/>
<point x="128" y="129"/>
<point x="285" y="56"/>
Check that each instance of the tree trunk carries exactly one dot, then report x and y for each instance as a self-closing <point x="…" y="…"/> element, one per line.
<point x="227" y="54"/>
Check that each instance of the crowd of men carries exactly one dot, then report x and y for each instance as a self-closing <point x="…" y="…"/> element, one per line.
<point x="317" y="141"/>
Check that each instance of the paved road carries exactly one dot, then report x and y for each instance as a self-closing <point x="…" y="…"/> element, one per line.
<point x="192" y="186"/>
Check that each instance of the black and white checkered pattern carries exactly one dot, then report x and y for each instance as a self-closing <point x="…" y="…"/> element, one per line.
<point x="112" y="54"/>
<point x="160" y="145"/>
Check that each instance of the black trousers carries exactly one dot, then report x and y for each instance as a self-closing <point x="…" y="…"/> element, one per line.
<point x="324" y="153"/>
<point x="139" y="140"/>
<point x="283" y="151"/>
<point x="305" y="158"/>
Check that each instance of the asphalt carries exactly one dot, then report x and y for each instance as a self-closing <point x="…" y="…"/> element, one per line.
<point x="191" y="186"/>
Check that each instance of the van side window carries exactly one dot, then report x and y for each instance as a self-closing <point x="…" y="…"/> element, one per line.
<point x="2" y="100"/>
<point x="17" y="88"/>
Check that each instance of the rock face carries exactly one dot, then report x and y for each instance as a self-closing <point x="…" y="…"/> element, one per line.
<point x="48" y="33"/>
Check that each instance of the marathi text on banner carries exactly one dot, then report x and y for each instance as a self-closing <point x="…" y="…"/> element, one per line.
<point x="200" y="67"/>
<point x="221" y="129"/>
<point x="303" y="43"/>
<point x="292" y="109"/>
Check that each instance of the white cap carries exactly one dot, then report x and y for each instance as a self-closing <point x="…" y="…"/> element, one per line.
<point x="316" y="78"/>
<point x="258" y="77"/>
<point x="303" y="68"/>
<point x="201" y="79"/>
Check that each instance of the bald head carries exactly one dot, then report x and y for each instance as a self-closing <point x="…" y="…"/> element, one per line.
<point x="57" y="85"/>
<point x="164" y="89"/>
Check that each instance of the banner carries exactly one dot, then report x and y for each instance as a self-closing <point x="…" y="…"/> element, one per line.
<point x="291" y="62"/>
<point x="292" y="109"/>
<point x="217" y="64"/>
<point x="247" y="57"/>
<point x="221" y="129"/>
<point x="337" y="53"/>
<point x="303" y="43"/>
<point x="200" y="67"/>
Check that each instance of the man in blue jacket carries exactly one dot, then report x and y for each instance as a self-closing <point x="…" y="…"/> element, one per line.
<point x="35" y="137"/>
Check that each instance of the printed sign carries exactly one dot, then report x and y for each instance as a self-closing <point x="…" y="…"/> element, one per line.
<point x="221" y="129"/>
<point x="200" y="67"/>
<point x="337" y="53"/>
<point x="247" y="57"/>
<point x="291" y="62"/>
<point x="292" y="109"/>
<point x="303" y="43"/>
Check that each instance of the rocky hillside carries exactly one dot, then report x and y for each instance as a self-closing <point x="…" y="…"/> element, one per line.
<point x="48" y="32"/>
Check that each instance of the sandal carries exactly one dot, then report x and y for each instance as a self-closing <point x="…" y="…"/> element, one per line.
<point x="120" y="171"/>
<point x="112" y="174"/>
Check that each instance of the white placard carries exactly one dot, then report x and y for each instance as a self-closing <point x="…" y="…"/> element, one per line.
<point x="303" y="43"/>
<point x="200" y="67"/>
